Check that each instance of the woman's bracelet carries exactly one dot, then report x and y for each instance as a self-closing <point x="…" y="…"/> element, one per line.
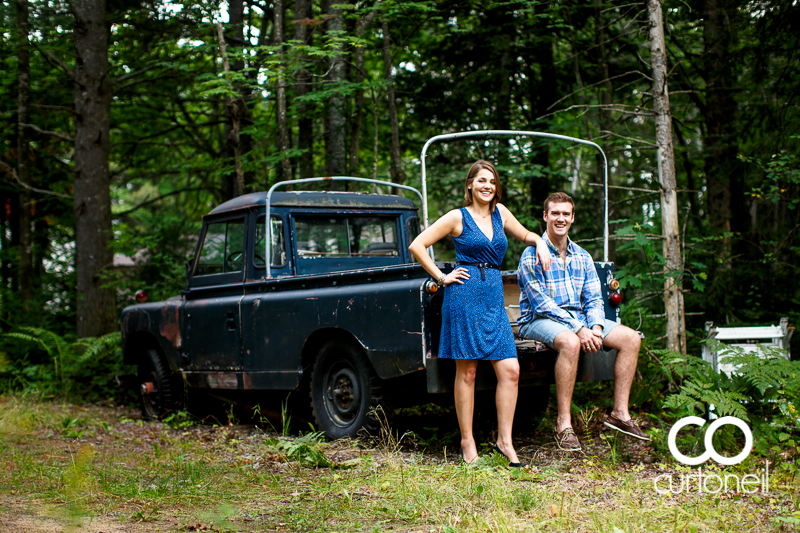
<point x="440" y="281"/>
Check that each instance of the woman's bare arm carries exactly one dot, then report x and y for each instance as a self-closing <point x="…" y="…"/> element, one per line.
<point x="513" y="227"/>
<point x="449" y="224"/>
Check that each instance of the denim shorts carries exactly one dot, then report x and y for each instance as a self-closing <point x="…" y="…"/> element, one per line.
<point x="546" y="330"/>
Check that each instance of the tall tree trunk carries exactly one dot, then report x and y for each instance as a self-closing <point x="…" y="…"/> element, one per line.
<point x="503" y="20"/>
<point x="673" y="297"/>
<point x="604" y="112"/>
<point x="542" y="93"/>
<point x="96" y="307"/>
<point x="9" y="238"/>
<point x="305" y="122"/>
<point x="41" y="244"/>
<point x="237" y="116"/>
<point x="720" y="151"/>
<point x="358" y="108"/>
<point x="285" y="166"/>
<point x="335" y="152"/>
<point x="358" y="99"/>
<point x="396" y="171"/>
<point x="24" y="159"/>
<point x="576" y="67"/>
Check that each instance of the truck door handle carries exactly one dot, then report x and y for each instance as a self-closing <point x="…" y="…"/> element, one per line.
<point x="231" y="321"/>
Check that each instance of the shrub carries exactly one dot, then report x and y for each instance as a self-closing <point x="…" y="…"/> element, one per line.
<point x="43" y="362"/>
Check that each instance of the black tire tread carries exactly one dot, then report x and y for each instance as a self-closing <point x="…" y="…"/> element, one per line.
<point x="166" y="399"/>
<point x="372" y="424"/>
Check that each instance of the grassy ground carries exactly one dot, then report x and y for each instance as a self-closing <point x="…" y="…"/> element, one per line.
<point x="101" y="469"/>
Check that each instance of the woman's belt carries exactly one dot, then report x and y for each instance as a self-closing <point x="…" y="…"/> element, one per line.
<point x="482" y="266"/>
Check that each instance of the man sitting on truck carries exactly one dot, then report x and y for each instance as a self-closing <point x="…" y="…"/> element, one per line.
<point x="563" y="308"/>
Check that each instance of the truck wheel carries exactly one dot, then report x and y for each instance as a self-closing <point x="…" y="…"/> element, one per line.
<point x="344" y="392"/>
<point x="531" y="407"/>
<point x="155" y="387"/>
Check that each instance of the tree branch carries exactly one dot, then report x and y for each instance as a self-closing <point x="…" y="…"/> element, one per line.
<point x="613" y="107"/>
<point x="156" y="199"/>
<point x="51" y="133"/>
<point x="51" y="58"/>
<point x="651" y="191"/>
<point x="585" y="87"/>
<point x="34" y="189"/>
<point x="630" y="139"/>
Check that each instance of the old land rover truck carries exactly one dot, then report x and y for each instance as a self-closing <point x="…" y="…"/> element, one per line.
<point x="317" y="291"/>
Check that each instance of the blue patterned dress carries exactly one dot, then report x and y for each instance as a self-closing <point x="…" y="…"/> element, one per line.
<point x="474" y="321"/>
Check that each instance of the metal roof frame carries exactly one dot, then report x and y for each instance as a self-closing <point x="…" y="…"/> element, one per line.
<point x="506" y="133"/>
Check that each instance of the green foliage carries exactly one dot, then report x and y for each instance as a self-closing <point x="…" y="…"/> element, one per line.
<point x="160" y="247"/>
<point x="764" y="391"/>
<point x="45" y="363"/>
<point x="306" y="450"/>
<point x="781" y="178"/>
<point x="180" y="419"/>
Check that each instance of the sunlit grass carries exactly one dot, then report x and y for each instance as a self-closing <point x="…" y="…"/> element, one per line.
<point x="77" y="466"/>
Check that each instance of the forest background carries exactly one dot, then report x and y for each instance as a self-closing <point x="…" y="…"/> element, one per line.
<point x="123" y="122"/>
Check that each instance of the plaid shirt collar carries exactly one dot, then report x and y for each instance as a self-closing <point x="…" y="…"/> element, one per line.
<point x="572" y="248"/>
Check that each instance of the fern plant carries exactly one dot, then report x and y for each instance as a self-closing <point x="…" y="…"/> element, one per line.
<point x="49" y="364"/>
<point x="764" y="390"/>
<point x="306" y="450"/>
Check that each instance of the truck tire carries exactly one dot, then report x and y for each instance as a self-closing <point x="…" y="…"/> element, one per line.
<point x="532" y="405"/>
<point x="156" y="389"/>
<point x="345" y="391"/>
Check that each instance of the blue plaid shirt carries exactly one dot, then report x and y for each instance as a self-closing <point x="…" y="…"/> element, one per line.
<point x="568" y="293"/>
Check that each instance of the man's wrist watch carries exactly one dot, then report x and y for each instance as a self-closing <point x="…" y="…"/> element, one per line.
<point x="440" y="281"/>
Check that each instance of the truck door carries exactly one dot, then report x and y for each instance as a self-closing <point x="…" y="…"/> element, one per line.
<point x="212" y="314"/>
<point x="270" y="318"/>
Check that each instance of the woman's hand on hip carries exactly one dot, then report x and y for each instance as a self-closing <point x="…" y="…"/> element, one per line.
<point x="456" y="276"/>
<point x="543" y="255"/>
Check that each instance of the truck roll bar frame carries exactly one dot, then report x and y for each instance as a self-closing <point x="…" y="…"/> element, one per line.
<point x="506" y="133"/>
<point x="268" y="250"/>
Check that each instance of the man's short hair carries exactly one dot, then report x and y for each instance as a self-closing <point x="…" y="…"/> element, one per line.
<point x="557" y="198"/>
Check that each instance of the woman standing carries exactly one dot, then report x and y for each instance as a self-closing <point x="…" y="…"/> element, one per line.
<point x="474" y="321"/>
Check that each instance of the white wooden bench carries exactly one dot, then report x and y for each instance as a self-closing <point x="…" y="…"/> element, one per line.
<point x="747" y="338"/>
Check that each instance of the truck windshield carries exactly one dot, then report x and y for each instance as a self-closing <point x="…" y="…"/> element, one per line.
<point x="222" y="249"/>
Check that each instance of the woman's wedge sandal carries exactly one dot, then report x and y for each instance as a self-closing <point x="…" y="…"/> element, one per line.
<point x="512" y="465"/>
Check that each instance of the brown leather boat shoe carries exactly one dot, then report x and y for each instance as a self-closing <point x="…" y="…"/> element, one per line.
<point x="628" y="427"/>
<point x="567" y="440"/>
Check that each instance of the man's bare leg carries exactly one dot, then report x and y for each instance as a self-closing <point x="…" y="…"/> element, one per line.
<point x="507" y="371"/>
<point x="627" y="343"/>
<point x="569" y="348"/>
<point x="465" y="405"/>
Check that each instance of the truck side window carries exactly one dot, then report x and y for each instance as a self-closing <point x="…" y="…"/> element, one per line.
<point x="223" y="248"/>
<point x="346" y="237"/>
<point x="321" y="237"/>
<point x="373" y="236"/>
<point x="278" y="242"/>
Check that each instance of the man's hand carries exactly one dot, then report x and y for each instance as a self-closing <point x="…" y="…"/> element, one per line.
<point x="591" y="340"/>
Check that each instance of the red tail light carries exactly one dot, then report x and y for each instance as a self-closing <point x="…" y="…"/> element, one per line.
<point x="615" y="299"/>
<point x="141" y="296"/>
